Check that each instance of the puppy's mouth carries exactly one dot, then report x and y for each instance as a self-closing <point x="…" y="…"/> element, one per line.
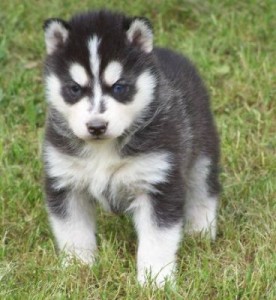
<point x="98" y="139"/>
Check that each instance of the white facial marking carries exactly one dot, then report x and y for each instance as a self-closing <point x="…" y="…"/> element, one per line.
<point x="79" y="74"/>
<point x="95" y="60"/>
<point x="200" y="207"/>
<point x="93" y="46"/>
<point x="119" y="115"/>
<point x="145" y="87"/>
<point x="112" y="73"/>
<point x="53" y="93"/>
<point x="157" y="247"/>
<point x="78" y="116"/>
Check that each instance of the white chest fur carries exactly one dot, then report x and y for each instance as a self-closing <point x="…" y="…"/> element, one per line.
<point x="103" y="169"/>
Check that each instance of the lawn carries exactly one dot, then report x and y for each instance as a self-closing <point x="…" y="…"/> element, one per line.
<point x="233" y="44"/>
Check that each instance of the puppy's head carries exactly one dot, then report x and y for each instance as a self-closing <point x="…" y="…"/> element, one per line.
<point x="99" y="72"/>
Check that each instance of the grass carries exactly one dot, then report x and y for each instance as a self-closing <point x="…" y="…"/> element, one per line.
<point x="233" y="45"/>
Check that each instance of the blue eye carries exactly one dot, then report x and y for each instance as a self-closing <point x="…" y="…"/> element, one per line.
<point x="119" y="89"/>
<point x="75" y="90"/>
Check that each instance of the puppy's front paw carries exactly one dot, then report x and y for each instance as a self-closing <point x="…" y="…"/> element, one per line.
<point x="156" y="275"/>
<point x="81" y="256"/>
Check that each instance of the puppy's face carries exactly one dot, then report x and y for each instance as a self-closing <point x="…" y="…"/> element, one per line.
<point x="99" y="73"/>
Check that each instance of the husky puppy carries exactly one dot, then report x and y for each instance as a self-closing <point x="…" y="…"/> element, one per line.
<point x="129" y="126"/>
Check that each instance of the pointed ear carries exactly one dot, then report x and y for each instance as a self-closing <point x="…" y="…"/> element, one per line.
<point x="139" y="34"/>
<point x="56" y="33"/>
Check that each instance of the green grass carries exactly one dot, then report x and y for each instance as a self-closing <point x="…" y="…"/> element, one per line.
<point x="233" y="45"/>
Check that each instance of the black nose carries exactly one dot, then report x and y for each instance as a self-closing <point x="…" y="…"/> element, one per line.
<point x="96" y="127"/>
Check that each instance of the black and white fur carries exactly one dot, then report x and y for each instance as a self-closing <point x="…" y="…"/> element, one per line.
<point x="129" y="126"/>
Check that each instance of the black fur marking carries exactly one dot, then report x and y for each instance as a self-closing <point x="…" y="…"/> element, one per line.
<point x="214" y="187"/>
<point x="55" y="198"/>
<point x="125" y="97"/>
<point x="168" y="201"/>
<point x="72" y="98"/>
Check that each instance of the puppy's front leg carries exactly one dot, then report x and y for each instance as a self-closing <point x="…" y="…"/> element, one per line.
<point x="73" y="222"/>
<point x="158" y="244"/>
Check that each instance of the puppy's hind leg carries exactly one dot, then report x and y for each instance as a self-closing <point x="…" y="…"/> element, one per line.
<point x="202" y="198"/>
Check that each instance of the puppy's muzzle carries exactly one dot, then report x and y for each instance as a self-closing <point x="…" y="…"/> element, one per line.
<point x="97" y="127"/>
